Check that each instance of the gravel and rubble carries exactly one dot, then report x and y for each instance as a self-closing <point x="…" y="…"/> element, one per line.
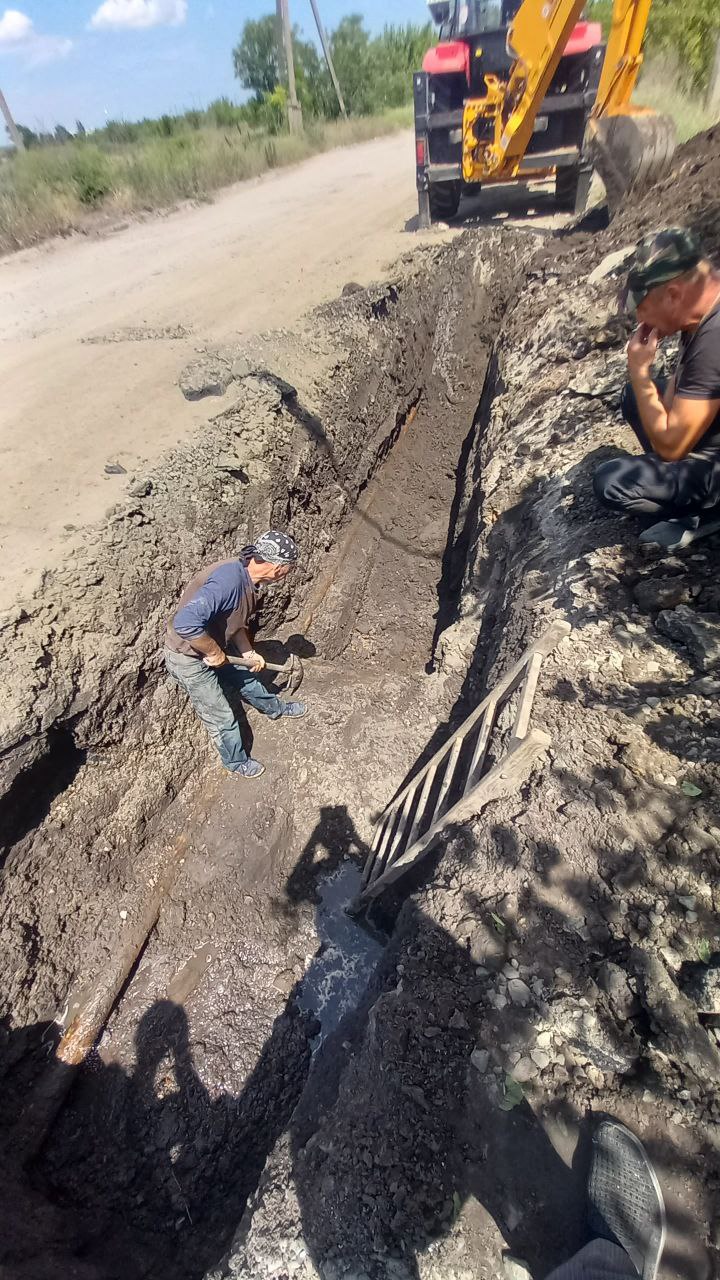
<point x="559" y="956"/>
<point x="554" y="958"/>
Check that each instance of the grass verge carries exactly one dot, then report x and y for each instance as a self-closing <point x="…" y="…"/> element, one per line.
<point x="51" y="190"/>
<point x="660" y="88"/>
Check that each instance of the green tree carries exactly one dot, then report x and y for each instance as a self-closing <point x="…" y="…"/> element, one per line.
<point x="257" y="66"/>
<point x="255" y="57"/>
<point x="350" y="48"/>
<point x="80" y="130"/>
<point x="62" y="134"/>
<point x="29" y="136"/>
<point x="687" y="32"/>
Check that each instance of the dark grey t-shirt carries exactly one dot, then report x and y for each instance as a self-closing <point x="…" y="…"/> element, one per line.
<point x="697" y="376"/>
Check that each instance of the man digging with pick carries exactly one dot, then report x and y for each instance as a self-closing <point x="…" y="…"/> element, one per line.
<point x="674" y="289"/>
<point x="211" y="623"/>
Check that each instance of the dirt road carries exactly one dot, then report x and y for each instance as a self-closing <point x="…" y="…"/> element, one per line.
<point x="261" y="255"/>
<point x="94" y="332"/>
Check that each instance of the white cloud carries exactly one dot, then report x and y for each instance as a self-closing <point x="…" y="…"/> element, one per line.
<point x="18" y="36"/>
<point x="139" y="14"/>
<point x="14" y="27"/>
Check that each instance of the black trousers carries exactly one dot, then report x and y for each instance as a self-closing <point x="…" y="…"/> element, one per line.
<point x="646" y="485"/>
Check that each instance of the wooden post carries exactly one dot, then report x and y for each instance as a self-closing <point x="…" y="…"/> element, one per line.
<point x="713" y="94"/>
<point x="328" y="57"/>
<point x="13" y="130"/>
<point x="295" y="121"/>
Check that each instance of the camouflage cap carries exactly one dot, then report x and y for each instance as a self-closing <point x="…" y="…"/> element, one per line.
<point x="660" y="258"/>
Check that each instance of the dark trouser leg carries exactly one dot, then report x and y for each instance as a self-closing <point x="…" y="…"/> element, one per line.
<point x="251" y="690"/>
<point x="647" y="486"/>
<point x="203" y="689"/>
<point x="599" y="1260"/>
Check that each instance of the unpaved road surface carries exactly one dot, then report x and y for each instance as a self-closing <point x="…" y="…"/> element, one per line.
<point x="94" y="332"/>
<point x="259" y="257"/>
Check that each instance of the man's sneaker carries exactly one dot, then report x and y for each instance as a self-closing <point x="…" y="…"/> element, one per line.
<point x="626" y="1203"/>
<point x="675" y="535"/>
<point x="293" y="710"/>
<point x="251" y="769"/>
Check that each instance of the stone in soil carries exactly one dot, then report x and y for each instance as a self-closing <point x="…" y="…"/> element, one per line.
<point x="699" y="633"/>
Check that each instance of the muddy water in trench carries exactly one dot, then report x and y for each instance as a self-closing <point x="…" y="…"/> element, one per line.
<point x="201" y="1065"/>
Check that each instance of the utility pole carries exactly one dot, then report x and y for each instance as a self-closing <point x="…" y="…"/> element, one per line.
<point x="13" y="130"/>
<point x="713" y="94"/>
<point x="295" y="121"/>
<point x="328" y="57"/>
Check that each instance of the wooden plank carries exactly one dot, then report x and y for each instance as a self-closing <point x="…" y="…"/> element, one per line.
<point x="447" y="779"/>
<point x="422" y="803"/>
<point x="527" y="697"/>
<point x="544" y="645"/>
<point x="502" y="781"/>
<point x="381" y="835"/>
<point x="400" y="828"/>
<point x="481" y="746"/>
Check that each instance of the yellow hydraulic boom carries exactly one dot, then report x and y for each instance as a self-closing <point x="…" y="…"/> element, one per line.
<point x="625" y="144"/>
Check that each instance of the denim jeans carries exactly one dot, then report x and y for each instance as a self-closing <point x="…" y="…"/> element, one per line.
<point x="646" y="485"/>
<point x="205" y="687"/>
<point x="599" y="1260"/>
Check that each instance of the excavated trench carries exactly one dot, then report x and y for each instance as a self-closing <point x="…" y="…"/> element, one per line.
<point x="269" y="1092"/>
<point x="203" y="925"/>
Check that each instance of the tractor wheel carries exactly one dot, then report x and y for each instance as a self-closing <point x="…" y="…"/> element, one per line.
<point x="444" y="200"/>
<point x="572" y="188"/>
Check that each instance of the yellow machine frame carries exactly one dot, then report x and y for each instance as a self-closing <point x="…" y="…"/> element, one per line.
<point x="536" y="39"/>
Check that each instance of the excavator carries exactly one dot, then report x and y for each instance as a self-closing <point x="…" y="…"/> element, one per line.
<point x="526" y="90"/>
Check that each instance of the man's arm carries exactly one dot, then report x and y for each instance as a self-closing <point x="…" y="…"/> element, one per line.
<point x="674" y="426"/>
<point x="192" y="621"/>
<point x="213" y="655"/>
<point x="241" y="642"/>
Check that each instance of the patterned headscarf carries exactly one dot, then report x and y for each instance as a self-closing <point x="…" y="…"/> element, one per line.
<point x="273" y="547"/>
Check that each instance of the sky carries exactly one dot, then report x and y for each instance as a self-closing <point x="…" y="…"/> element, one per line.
<point x="98" y="60"/>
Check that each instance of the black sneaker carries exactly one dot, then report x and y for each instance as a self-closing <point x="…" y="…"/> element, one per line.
<point x="675" y="535"/>
<point x="626" y="1203"/>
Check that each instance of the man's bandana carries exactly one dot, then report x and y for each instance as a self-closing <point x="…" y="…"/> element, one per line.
<point x="273" y="547"/>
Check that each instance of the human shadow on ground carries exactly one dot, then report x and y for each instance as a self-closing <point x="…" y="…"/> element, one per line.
<point x="333" y="841"/>
<point x="148" y="1171"/>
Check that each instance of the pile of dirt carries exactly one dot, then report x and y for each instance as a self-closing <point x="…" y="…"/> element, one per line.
<point x="547" y="966"/>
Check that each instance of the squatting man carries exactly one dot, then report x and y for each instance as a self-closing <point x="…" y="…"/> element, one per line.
<point x="674" y="289"/>
<point x="211" y="623"/>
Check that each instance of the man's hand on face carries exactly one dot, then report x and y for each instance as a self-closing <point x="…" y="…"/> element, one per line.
<point x="255" y="661"/>
<point x="642" y="349"/>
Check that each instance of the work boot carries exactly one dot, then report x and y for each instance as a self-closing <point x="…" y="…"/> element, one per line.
<point x="293" y="710"/>
<point x="251" y="769"/>
<point x="626" y="1203"/>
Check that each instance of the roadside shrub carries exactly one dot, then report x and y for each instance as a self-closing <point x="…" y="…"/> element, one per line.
<point x="91" y="174"/>
<point x="120" y="131"/>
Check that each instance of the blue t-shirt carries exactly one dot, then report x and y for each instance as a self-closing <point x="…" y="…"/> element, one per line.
<point x="217" y="602"/>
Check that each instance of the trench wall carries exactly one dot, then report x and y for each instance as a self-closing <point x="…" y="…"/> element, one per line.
<point x="96" y="744"/>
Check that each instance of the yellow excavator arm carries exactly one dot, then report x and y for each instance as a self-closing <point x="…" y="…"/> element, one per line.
<point x="536" y="40"/>
<point x="624" y="56"/>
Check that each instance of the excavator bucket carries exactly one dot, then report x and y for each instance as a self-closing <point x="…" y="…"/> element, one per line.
<point x="630" y="152"/>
